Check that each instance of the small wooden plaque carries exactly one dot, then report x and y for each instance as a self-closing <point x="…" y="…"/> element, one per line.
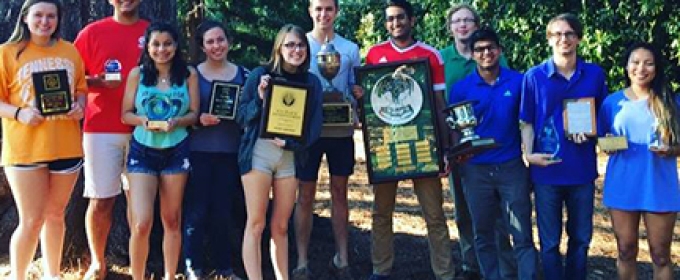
<point x="612" y="143"/>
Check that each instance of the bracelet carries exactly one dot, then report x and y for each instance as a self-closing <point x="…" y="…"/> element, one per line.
<point x="16" y="113"/>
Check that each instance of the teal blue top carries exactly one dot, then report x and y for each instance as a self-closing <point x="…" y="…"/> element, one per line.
<point x="158" y="104"/>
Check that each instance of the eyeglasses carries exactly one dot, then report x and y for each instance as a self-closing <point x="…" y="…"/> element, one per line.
<point x="569" y="35"/>
<point x="463" y="20"/>
<point x="293" y="45"/>
<point x="491" y="48"/>
<point x="398" y="17"/>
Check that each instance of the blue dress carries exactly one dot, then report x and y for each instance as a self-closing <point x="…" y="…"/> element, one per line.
<point x="637" y="179"/>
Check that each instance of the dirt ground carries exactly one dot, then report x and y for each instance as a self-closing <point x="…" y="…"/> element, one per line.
<point x="410" y="240"/>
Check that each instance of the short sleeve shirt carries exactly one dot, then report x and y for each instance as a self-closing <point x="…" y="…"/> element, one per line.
<point x="388" y="52"/>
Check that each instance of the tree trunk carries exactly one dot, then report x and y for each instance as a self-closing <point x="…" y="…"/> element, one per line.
<point x="77" y="14"/>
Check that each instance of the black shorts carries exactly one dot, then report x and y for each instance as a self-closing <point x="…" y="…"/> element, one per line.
<point x="59" y="166"/>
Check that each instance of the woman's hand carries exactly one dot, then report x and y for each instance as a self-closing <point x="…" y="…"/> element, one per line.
<point x="278" y="142"/>
<point x="76" y="112"/>
<point x="208" y="119"/>
<point x="172" y="124"/>
<point x="30" y="116"/>
<point x="663" y="150"/>
<point x="264" y="83"/>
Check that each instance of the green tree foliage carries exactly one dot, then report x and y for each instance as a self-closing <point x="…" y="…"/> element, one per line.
<point x="252" y="24"/>
<point x="609" y="27"/>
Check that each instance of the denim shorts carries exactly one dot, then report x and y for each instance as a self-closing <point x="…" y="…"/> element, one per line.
<point x="173" y="160"/>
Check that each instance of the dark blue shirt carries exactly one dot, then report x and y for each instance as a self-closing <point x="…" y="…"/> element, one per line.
<point x="223" y="137"/>
<point x="496" y="112"/>
<point x="543" y="93"/>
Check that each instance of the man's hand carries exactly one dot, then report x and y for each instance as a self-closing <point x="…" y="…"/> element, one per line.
<point x="541" y="159"/>
<point x="99" y="81"/>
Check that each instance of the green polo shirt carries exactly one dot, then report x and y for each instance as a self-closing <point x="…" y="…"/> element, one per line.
<point x="456" y="67"/>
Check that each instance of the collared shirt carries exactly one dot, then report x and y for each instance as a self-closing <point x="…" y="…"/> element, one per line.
<point x="388" y="52"/>
<point x="496" y="111"/>
<point x="456" y="66"/>
<point x="544" y="90"/>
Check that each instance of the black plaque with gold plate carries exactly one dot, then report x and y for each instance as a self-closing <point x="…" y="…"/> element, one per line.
<point x="224" y="99"/>
<point x="338" y="114"/>
<point x="285" y="113"/>
<point x="52" y="92"/>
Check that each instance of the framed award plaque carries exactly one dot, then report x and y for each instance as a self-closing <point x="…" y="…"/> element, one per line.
<point x="399" y="121"/>
<point x="52" y="92"/>
<point x="285" y="110"/>
<point x="579" y="116"/>
<point x="338" y="114"/>
<point x="224" y="99"/>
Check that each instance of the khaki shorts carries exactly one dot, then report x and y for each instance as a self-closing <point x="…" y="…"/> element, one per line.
<point x="270" y="159"/>
<point x="105" y="155"/>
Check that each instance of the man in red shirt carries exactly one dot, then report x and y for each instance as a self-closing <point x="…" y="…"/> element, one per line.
<point x="402" y="46"/>
<point x="110" y="47"/>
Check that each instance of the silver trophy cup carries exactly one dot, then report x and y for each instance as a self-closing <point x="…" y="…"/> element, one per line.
<point x="328" y="62"/>
<point x="337" y="110"/>
<point x="461" y="117"/>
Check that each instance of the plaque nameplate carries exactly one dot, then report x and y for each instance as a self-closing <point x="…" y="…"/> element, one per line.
<point x="337" y="114"/>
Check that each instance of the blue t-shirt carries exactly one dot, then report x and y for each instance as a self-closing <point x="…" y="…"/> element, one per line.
<point x="223" y="137"/>
<point x="496" y="112"/>
<point x="343" y="81"/>
<point x="158" y="104"/>
<point x="544" y="91"/>
<point x="636" y="179"/>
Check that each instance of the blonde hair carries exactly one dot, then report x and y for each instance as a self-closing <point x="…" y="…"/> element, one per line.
<point x="275" y="62"/>
<point x="461" y="6"/>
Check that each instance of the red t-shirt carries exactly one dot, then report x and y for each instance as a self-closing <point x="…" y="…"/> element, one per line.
<point x="98" y="43"/>
<point x="388" y="52"/>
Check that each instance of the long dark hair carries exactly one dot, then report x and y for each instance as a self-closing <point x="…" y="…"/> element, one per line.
<point x="662" y="102"/>
<point x="178" y="69"/>
<point x="21" y="34"/>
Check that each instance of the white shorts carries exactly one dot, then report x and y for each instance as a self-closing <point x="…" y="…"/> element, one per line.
<point x="273" y="160"/>
<point x="105" y="155"/>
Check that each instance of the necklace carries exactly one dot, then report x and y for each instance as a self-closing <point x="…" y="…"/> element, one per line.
<point x="164" y="80"/>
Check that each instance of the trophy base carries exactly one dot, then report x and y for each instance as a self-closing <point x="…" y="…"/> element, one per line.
<point x="113" y="77"/>
<point x="472" y="147"/>
<point x="162" y="125"/>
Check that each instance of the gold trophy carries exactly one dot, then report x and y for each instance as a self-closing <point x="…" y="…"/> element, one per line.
<point x="337" y="109"/>
<point x="461" y="117"/>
